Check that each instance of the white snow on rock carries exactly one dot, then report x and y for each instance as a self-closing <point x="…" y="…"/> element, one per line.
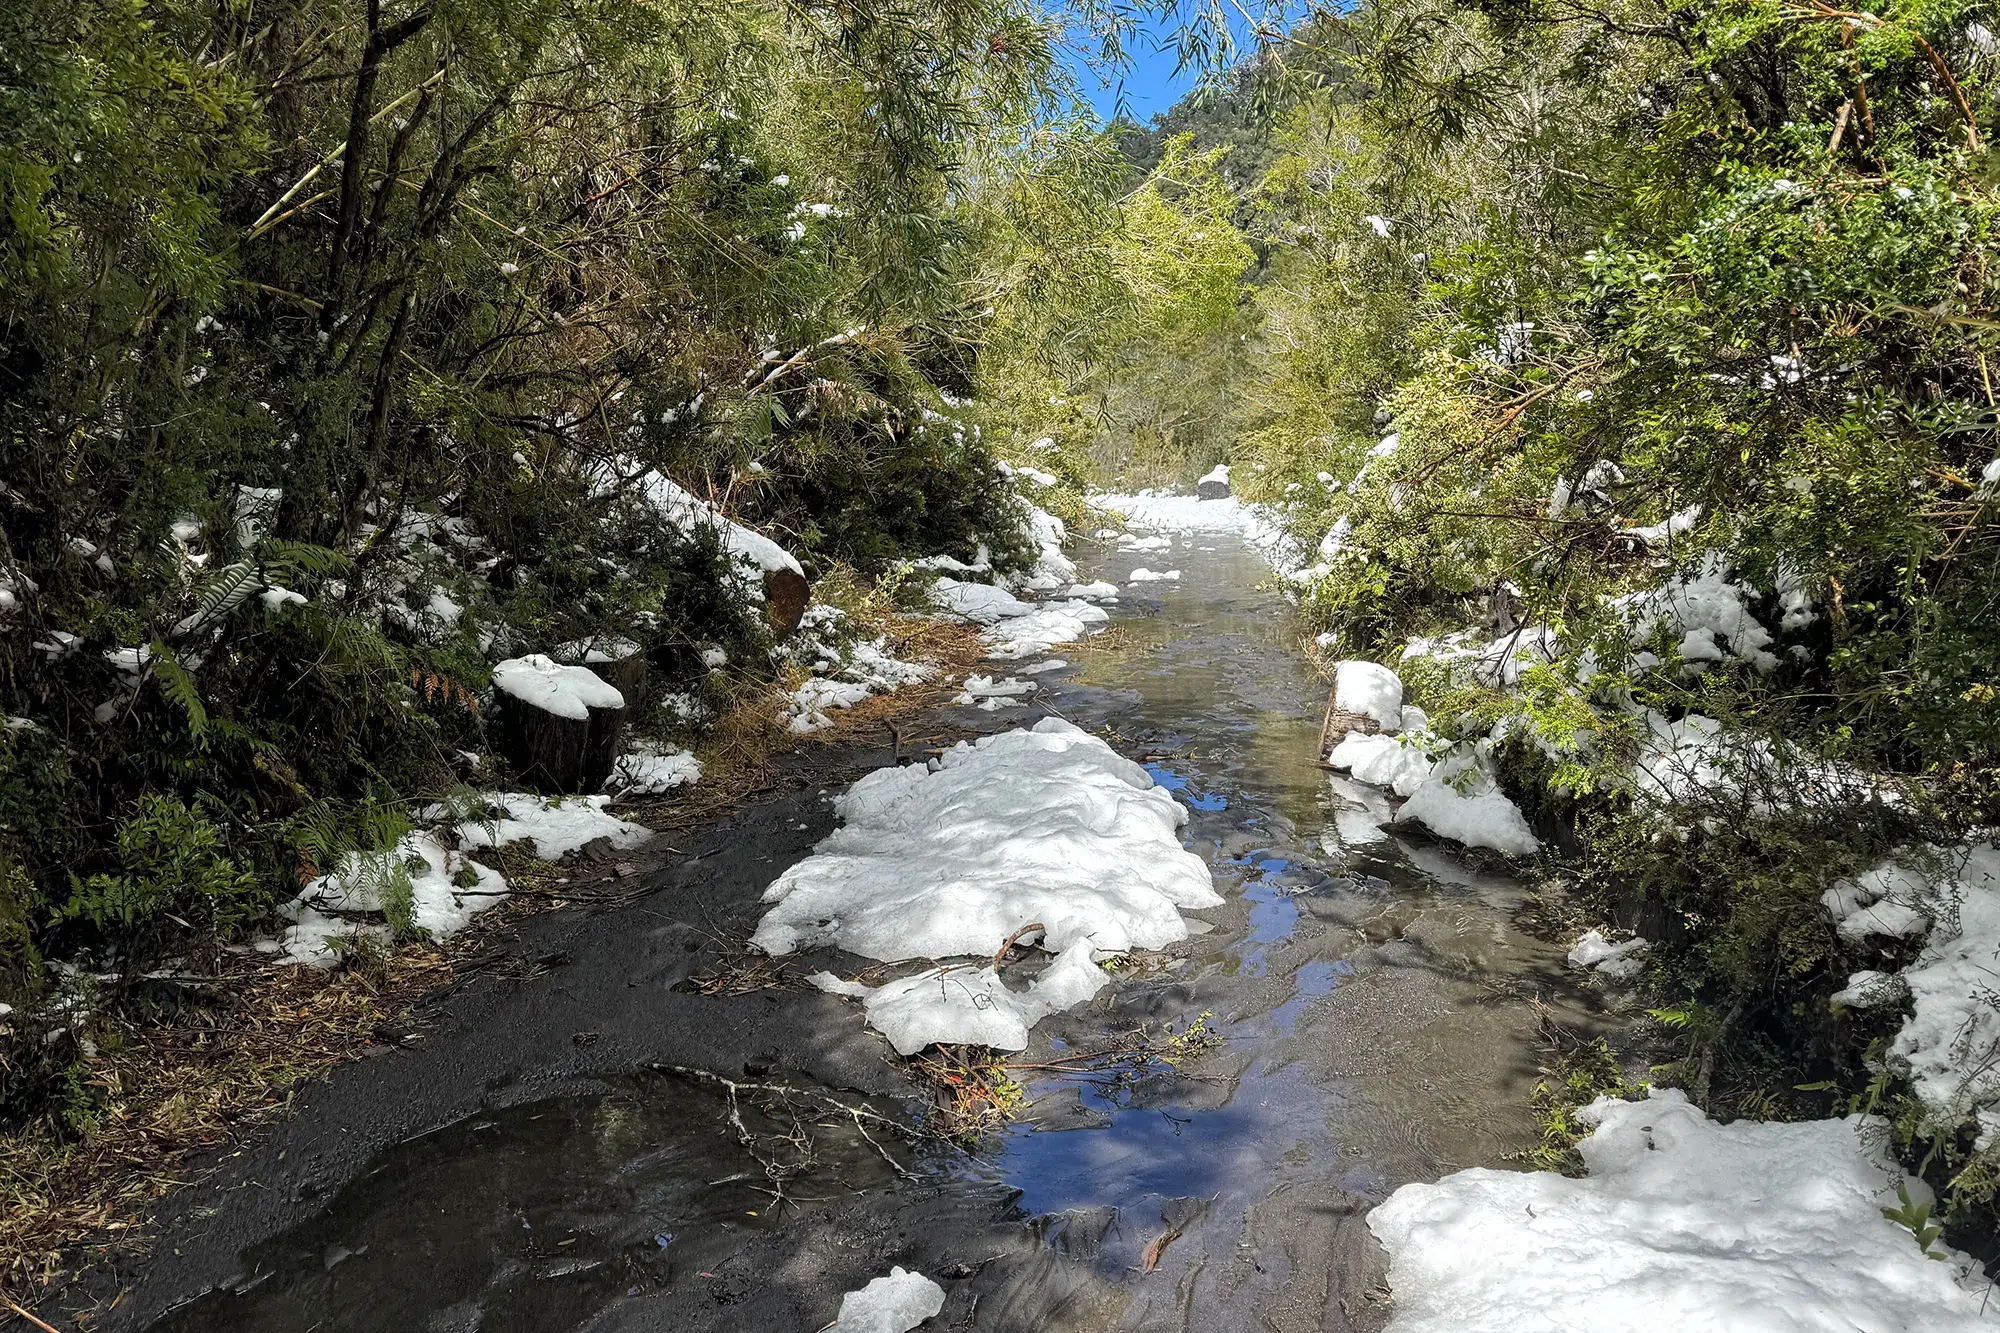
<point x="1396" y="762"/>
<point x="566" y="691"/>
<point x="893" y="1304"/>
<point x="970" y="1004"/>
<point x="1620" y="961"/>
<point x="1100" y="591"/>
<point x="1218" y="473"/>
<point x="650" y="769"/>
<point x="1045" y="825"/>
<point x="1460" y="800"/>
<point x="558" y="824"/>
<point x="1682" y="1224"/>
<point x="1371" y="689"/>
<point x="1145" y="575"/>
<point x="986" y="693"/>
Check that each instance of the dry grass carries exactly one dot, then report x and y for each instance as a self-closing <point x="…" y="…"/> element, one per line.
<point x="167" y="1091"/>
<point x="738" y="747"/>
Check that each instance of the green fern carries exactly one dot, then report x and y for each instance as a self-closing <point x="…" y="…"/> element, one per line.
<point x="177" y="684"/>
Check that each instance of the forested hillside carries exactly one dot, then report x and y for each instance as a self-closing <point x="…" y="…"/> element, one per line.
<point x="345" y="347"/>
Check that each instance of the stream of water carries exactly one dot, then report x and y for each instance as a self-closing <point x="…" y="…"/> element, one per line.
<point x="1379" y="1015"/>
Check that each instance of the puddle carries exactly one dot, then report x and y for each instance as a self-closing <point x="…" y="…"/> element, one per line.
<point x="534" y="1218"/>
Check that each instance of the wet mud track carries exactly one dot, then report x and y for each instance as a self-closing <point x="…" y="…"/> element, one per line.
<point x="536" y="1162"/>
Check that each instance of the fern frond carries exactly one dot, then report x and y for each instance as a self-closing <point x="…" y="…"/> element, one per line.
<point x="227" y="589"/>
<point x="177" y="684"/>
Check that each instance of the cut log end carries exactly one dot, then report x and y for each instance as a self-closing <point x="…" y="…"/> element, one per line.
<point x="786" y="593"/>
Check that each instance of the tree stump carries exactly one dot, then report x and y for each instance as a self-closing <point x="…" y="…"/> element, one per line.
<point x="559" y="726"/>
<point x="786" y="593"/>
<point x="618" y="661"/>
<point x="1339" y="723"/>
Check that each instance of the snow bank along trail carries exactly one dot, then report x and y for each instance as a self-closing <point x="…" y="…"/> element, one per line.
<point x="952" y="858"/>
<point x="1681" y="1224"/>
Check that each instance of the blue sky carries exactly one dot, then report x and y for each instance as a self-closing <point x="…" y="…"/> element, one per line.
<point x="1149" y="83"/>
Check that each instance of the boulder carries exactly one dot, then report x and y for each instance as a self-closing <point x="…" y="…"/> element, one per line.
<point x="1214" y="486"/>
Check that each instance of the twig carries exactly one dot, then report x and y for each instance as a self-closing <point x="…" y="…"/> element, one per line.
<point x="46" y="1328"/>
<point x="1014" y="939"/>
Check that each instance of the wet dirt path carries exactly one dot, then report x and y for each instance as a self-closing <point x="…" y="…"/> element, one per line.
<point x="538" y="1164"/>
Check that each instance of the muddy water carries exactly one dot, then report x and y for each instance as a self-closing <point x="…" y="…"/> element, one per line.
<point x="1379" y="1012"/>
<point x="1373" y="1018"/>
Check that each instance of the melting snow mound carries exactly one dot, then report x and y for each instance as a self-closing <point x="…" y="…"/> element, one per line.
<point x="893" y="1304"/>
<point x="1459" y="799"/>
<point x="1046" y="825"/>
<point x="971" y="1005"/>
<point x="1682" y="1224"/>
<point x="1371" y="689"/>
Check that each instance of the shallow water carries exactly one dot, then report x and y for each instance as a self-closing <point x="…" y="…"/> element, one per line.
<point x="1378" y="1019"/>
<point x="535" y="1217"/>
<point x="1377" y="1005"/>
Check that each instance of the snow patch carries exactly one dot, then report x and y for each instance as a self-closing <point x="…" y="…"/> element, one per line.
<point x="564" y="691"/>
<point x="1045" y="825"/>
<point x="1461" y="800"/>
<point x="1620" y="961"/>
<point x="1681" y="1224"/>
<point x="971" y="1005"/>
<point x="893" y="1304"/>
<point x="558" y="824"/>
<point x="986" y="693"/>
<point x="651" y="769"/>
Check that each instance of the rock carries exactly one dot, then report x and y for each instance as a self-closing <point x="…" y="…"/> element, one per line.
<point x="1214" y="486"/>
<point x="786" y="593"/>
